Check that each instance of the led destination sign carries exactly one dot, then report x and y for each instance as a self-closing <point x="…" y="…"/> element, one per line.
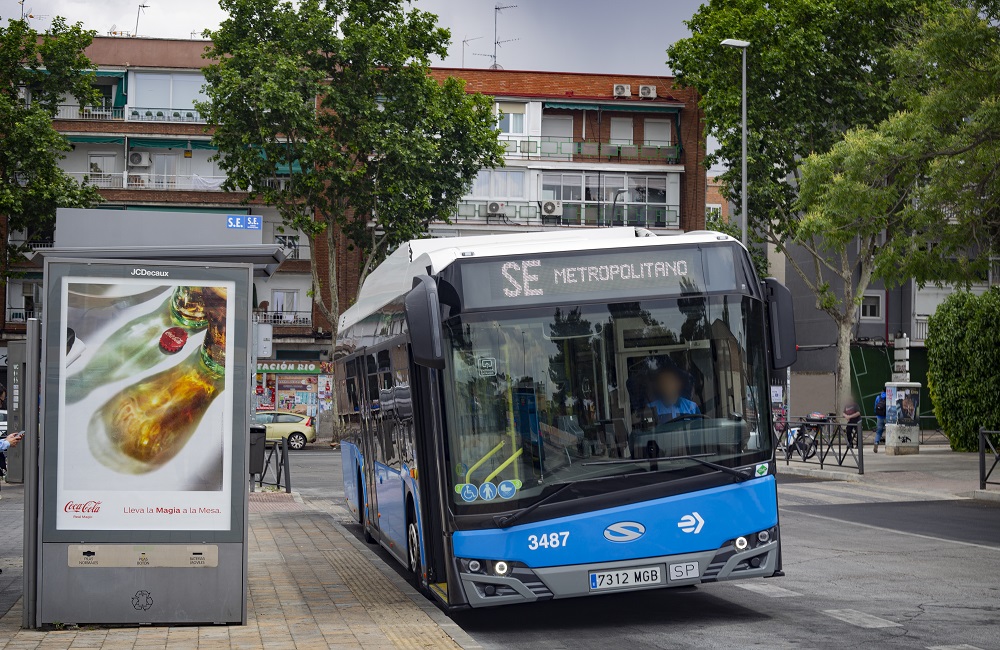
<point x="603" y="275"/>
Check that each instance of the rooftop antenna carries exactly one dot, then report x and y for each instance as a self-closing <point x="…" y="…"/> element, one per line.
<point x="497" y="42"/>
<point x="137" y="13"/>
<point x="465" y="42"/>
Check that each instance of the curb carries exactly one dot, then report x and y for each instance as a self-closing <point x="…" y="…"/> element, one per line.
<point x="986" y="495"/>
<point x="810" y="472"/>
<point x="457" y="634"/>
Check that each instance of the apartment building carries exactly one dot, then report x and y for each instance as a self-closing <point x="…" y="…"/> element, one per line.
<point x="583" y="150"/>
<point x="146" y="148"/>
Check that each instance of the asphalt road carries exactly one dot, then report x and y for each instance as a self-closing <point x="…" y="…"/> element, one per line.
<point x="860" y="572"/>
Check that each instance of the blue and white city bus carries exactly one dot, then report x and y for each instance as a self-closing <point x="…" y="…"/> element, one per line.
<point x="549" y="415"/>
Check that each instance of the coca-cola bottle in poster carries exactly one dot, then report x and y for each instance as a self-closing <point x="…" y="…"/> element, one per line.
<point x="148" y="423"/>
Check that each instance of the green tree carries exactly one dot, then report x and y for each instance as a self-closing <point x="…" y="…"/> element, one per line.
<point x="963" y="354"/>
<point x="336" y="94"/>
<point x="816" y="68"/>
<point x="45" y="68"/>
<point x="934" y="165"/>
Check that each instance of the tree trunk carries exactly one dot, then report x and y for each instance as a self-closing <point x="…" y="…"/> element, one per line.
<point x="844" y="395"/>
<point x="328" y="305"/>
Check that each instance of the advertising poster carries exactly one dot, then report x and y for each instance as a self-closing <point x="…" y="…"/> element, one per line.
<point x="145" y="424"/>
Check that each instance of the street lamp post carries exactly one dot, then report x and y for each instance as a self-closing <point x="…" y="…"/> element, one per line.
<point x="614" y="203"/>
<point x="743" y="45"/>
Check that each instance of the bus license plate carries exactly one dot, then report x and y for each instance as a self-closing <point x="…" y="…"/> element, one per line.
<point x="623" y="578"/>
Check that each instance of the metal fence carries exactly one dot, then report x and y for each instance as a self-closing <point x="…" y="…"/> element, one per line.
<point x="821" y="443"/>
<point x="987" y="451"/>
<point x="275" y="464"/>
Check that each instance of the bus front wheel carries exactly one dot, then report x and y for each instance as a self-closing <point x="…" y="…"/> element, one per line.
<point x="413" y="548"/>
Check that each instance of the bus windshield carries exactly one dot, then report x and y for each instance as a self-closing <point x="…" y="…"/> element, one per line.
<point x="541" y="397"/>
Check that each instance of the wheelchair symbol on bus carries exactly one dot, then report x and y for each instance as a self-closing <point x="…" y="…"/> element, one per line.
<point x="469" y="493"/>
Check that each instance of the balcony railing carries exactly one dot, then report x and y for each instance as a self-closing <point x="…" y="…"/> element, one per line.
<point x="919" y="333"/>
<point x="134" y="180"/>
<point x="161" y="114"/>
<point x="528" y="213"/>
<point x="21" y="315"/>
<point x="129" y="113"/>
<point x="76" y="112"/>
<point x="568" y="149"/>
<point x="284" y="318"/>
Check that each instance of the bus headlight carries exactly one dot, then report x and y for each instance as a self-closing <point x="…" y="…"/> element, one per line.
<point x="763" y="536"/>
<point x="501" y="568"/>
<point x="741" y="543"/>
<point x="475" y="566"/>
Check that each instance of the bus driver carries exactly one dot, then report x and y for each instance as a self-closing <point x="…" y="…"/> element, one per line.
<point x="669" y="383"/>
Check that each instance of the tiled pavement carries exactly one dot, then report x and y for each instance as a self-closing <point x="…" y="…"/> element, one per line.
<point x="312" y="585"/>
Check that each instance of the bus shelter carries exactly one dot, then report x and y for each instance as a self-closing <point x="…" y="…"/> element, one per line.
<point x="137" y="457"/>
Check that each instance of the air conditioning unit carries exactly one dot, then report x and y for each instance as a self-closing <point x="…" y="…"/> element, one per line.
<point x="647" y="91"/>
<point x="495" y="207"/>
<point x="552" y="208"/>
<point x="138" y="159"/>
<point x="623" y="90"/>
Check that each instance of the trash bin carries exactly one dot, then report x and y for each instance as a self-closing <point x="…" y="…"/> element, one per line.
<point x="258" y="435"/>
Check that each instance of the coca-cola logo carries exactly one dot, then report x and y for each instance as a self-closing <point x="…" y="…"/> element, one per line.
<point x="86" y="506"/>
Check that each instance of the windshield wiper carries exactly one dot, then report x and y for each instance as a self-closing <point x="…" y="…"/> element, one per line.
<point x="739" y="475"/>
<point x="508" y="520"/>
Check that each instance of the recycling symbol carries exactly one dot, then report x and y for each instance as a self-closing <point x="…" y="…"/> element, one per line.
<point x="142" y="601"/>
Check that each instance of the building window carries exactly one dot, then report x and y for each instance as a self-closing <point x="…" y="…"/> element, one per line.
<point x="713" y="211"/>
<point x="656" y="133"/>
<point x="101" y="166"/>
<point x="289" y="244"/>
<point x="621" y="130"/>
<point x="871" y="306"/>
<point x="498" y="184"/>
<point x="557" y="128"/>
<point x="284" y="300"/>
<point x="510" y="118"/>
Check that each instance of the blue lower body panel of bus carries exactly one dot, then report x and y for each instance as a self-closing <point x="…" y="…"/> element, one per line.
<point x="722" y="533"/>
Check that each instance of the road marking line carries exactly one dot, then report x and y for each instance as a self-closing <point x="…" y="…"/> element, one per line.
<point x="964" y="646"/>
<point x="860" y="619"/>
<point x="892" y="530"/>
<point x="772" y="591"/>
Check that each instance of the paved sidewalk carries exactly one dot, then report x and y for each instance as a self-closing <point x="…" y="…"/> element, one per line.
<point x="936" y="471"/>
<point x="312" y="585"/>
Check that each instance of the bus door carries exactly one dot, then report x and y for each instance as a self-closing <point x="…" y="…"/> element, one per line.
<point x="366" y="366"/>
<point x="389" y="489"/>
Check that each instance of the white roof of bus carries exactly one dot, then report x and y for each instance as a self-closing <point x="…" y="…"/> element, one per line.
<point x="394" y="277"/>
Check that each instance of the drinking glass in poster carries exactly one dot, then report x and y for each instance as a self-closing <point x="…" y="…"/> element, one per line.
<point x="145" y="419"/>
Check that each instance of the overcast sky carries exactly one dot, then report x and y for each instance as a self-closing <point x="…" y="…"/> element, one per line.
<point x="624" y="36"/>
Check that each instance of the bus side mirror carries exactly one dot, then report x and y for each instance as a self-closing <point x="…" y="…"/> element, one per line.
<point x="423" y="320"/>
<point x="781" y="323"/>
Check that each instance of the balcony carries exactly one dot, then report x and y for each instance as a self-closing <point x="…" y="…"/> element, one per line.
<point x="21" y="315"/>
<point x="134" y="180"/>
<point x="161" y="114"/>
<point x="284" y="318"/>
<point x="566" y="149"/>
<point x="89" y="113"/>
<point x="528" y="213"/>
<point x="129" y="114"/>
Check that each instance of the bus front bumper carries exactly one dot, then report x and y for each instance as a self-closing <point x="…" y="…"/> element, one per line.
<point x="523" y="584"/>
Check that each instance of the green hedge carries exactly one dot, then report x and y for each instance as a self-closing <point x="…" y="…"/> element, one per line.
<point x="963" y="356"/>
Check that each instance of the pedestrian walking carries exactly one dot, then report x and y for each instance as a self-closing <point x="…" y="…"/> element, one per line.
<point x="5" y="444"/>
<point x="852" y="413"/>
<point x="879" y="419"/>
